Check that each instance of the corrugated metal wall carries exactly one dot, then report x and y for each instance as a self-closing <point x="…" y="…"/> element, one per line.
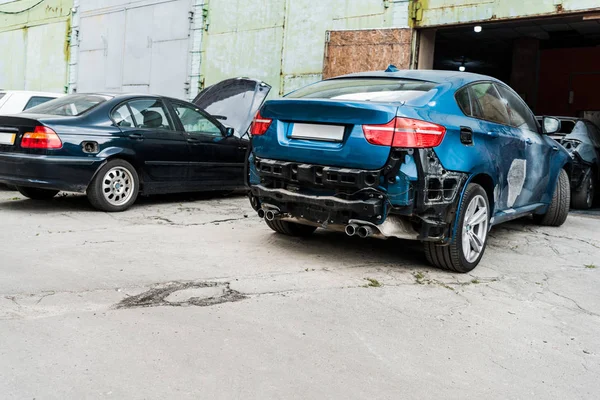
<point x="282" y="41"/>
<point x="33" y="40"/>
<point x="446" y="12"/>
<point x="135" y="46"/>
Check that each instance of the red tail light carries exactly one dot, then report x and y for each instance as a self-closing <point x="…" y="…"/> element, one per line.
<point x="42" y="137"/>
<point x="405" y="132"/>
<point x="260" y="125"/>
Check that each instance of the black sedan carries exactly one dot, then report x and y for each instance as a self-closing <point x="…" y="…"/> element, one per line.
<point x="581" y="138"/>
<point x="114" y="147"/>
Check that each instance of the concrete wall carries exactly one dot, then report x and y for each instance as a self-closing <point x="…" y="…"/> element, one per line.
<point x="428" y="13"/>
<point x="34" y="44"/>
<point x="282" y="42"/>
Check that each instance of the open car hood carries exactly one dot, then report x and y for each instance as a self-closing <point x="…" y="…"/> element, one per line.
<point x="234" y="102"/>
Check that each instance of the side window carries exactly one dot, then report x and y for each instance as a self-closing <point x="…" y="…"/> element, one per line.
<point x="487" y="103"/>
<point x="122" y="116"/>
<point x="150" y="114"/>
<point x="464" y="101"/>
<point x="518" y="112"/>
<point x="194" y="121"/>
<point x="36" y="101"/>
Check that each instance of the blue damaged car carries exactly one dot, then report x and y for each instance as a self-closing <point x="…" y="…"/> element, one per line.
<point x="434" y="156"/>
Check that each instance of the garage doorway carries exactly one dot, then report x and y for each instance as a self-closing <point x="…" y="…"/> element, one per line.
<point x="553" y="63"/>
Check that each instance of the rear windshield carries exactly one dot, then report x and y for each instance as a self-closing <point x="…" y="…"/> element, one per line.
<point x="75" y="104"/>
<point x="371" y="89"/>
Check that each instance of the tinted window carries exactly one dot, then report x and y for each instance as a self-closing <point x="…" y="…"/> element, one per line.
<point x="194" y="121"/>
<point x="75" y="104"/>
<point x="464" y="101"/>
<point x="36" y="101"/>
<point x="487" y="103"/>
<point x="150" y="114"/>
<point x="122" y="116"/>
<point x="519" y="114"/>
<point x="374" y="89"/>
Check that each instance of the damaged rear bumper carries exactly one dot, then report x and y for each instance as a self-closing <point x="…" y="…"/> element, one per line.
<point x="388" y="200"/>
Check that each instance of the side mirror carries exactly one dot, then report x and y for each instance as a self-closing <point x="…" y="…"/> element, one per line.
<point x="229" y="132"/>
<point x="550" y="125"/>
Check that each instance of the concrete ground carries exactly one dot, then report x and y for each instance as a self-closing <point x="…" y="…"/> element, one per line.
<point x="192" y="297"/>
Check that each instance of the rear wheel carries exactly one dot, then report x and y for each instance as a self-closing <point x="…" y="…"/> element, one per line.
<point x="583" y="199"/>
<point x="466" y="249"/>
<point x="290" y="228"/>
<point x="36" y="193"/>
<point x="557" y="212"/>
<point x="115" y="187"/>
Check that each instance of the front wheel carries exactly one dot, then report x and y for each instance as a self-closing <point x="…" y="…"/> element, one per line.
<point x="290" y="228"/>
<point x="115" y="187"/>
<point x="557" y="212"/>
<point x="36" y="193"/>
<point x="467" y="246"/>
<point x="583" y="199"/>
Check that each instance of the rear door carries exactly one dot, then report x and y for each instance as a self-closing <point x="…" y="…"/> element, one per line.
<point x="538" y="149"/>
<point x="162" y="150"/>
<point x="216" y="159"/>
<point x="502" y="141"/>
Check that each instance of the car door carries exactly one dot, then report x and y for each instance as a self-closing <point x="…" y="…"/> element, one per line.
<point x="538" y="150"/>
<point x="160" y="148"/>
<point x="217" y="156"/>
<point x="504" y="145"/>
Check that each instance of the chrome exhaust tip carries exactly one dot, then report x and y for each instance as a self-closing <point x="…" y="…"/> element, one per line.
<point x="351" y="229"/>
<point x="261" y="213"/>
<point x="270" y="215"/>
<point x="364" y="231"/>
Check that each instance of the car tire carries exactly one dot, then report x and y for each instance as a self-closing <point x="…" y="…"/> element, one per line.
<point x="583" y="199"/>
<point x="291" y="228"/>
<point x="115" y="187"/>
<point x="558" y="210"/>
<point x="467" y="247"/>
<point x="36" y="193"/>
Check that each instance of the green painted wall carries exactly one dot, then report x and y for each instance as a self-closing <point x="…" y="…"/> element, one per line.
<point x="34" y="43"/>
<point x="282" y="42"/>
<point x="447" y="12"/>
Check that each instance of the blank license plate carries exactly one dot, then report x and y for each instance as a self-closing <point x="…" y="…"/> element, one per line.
<point x="7" y="138"/>
<point x="330" y="133"/>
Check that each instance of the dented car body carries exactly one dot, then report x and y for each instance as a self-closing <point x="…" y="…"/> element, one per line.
<point x="396" y="154"/>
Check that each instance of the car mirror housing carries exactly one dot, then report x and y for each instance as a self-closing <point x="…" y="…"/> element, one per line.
<point x="550" y="125"/>
<point x="229" y="132"/>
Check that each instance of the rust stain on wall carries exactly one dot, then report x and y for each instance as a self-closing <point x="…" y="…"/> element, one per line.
<point x="366" y="50"/>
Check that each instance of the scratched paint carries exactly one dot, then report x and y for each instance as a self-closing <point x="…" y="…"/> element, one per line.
<point x="36" y="40"/>
<point x="516" y="179"/>
<point x="282" y="41"/>
<point x="426" y="13"/>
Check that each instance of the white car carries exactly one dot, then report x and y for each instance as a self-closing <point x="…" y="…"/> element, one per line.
<point x="16" y="101"/>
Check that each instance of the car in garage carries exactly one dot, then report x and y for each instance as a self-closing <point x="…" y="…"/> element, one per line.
<point x="434" y="156"/>
<point x="116" y="146"/>
<point x="581" y="138"/>
<point x="16" y="101"/>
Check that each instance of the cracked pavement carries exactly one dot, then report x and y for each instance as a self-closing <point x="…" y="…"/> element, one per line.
<point x="190" y="296"/>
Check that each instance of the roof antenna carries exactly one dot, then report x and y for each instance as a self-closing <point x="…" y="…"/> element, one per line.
<point x="392" y="68"/>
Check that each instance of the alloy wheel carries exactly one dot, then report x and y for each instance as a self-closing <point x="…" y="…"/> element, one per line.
<point x="475" y="228"/>
<point x="118" y="186"/>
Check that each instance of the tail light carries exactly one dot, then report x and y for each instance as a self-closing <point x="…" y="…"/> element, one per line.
<point x="42" y="137"/>
<point x="405" y="132"/>
<point x="260" y="125"/>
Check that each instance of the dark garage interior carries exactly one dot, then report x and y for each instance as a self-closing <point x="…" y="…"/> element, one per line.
<point x="553" y="63"/>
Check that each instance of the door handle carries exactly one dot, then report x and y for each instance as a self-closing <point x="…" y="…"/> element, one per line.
<point x="192" y="140"/>
<point x="136" y="136"/>
<point x="528" y="142"/>
<point x="555" y="148"/>
<point x="493" y="134"/>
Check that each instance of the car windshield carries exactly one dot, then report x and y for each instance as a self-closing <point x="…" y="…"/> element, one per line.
<point x="75" y="104"/>
<point x="371" y="89"/>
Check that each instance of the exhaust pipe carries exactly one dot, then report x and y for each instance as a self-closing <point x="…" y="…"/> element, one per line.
<point x="351" y="229"/>
<point x="364" y="231"/>
<point x="261" y="213"/>
<point x="270" y="215"/>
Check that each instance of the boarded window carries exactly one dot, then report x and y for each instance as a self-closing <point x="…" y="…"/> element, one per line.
<point x="347" y="52"/>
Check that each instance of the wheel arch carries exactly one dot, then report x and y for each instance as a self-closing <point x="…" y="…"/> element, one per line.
<point x="115" y="153"/>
